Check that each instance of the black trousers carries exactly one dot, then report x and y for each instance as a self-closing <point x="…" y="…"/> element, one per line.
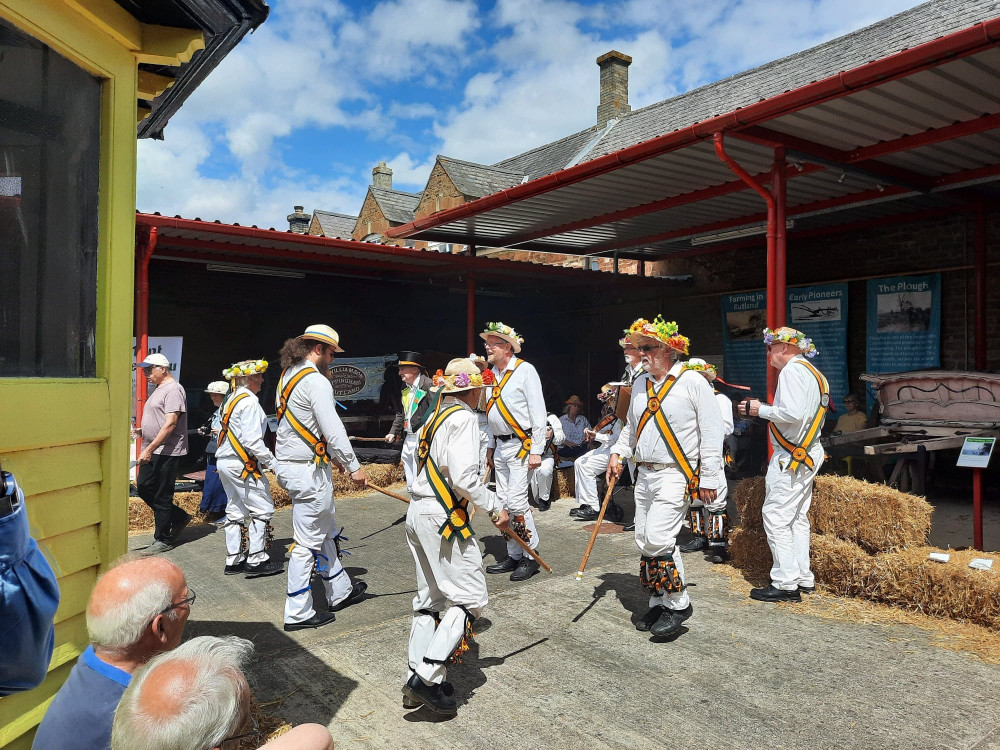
<point x="155" y="483"/>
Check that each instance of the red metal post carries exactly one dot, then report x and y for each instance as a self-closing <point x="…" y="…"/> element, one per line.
<point x="979" y="266"/>
<point x="470" y="313"/>
<point x="778" y="182"/>
<point x="144" y="251"/>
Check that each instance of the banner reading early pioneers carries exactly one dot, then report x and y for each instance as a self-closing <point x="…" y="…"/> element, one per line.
<point x="904" y="323"/>
<point x="359" y="378"/>
<point x="820" y="312"/>
<point x="743" y="319"/>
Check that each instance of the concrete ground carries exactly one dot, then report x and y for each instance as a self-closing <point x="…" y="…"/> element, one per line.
<point x="559" y="664"/>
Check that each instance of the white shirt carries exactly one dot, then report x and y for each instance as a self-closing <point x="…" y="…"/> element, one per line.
<point x="455" y="450"/>
<point x="726" y="408"/>
<point x="796" y="400"/>
<point x="247" y="422"/>
<point x="313" y="405"/>
<point x="693" y="415"/>
<point x="524" y="400"/>
<point x="573" y="429"/>
<point x="609" y="435"/>
<point x="558" y="437"/>
<point x="631" y="373"/>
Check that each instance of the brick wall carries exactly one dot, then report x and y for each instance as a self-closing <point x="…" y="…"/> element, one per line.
<point x="568" y="261"/>
<point x="439" y="193"/>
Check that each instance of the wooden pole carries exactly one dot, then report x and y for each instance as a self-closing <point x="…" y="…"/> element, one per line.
<point x="597" y="527"/>
<point x="530" y="551"/>
<point x="386" y="492"/>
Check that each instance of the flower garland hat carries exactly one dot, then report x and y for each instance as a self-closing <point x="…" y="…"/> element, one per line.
<point x="624" y="342"/>
<point x="699" y="365"/>
<point x="786" y="335"/>
<point x="462" y="374"/>
<point x="479" y="361"/>
<point x="245" y="368"/>
<point x="663" y="331"/>
<point x="219" y="387"/>
<point x="323" y="334"/>
<point x="505" y="332"/>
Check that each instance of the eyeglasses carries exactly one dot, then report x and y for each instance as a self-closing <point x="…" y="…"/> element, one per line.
<point x="189" y="599"/>
<point x="255" y="732"/>
<point x="646" y="348"/>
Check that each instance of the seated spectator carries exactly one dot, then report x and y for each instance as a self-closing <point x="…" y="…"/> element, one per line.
<point x="853" y="420"/>
<point x="137" y="609"/>
<point x="540" y="480"/>
<point x="574" y="425"/>
<point x="196" y="697"/>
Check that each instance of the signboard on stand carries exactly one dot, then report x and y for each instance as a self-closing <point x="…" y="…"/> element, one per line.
<point x="359" y="378"/>
<point x="820" y="312"/>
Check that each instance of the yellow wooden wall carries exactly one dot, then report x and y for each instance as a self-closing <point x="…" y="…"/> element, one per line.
<point x="67" y="440"/>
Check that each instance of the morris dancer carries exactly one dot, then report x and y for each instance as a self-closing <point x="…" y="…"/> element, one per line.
<point x="416" y="402"/>
<point x="484" y="426"/>
<point x="239" y="458"/>
<point x="713" y="530"/>
<point x="309" y="428"/>
<point x="515" y="411"/>
<point x="797" y="415"/>
<point x="634" y="367"/>
<point x="674" y="433"/>
<point x="591" y="465"/>
<point x="540" y="480"/>
<point x="449" y="563"/>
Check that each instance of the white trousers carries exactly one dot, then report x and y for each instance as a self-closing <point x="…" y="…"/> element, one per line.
<point x="448" y="572"/>
<point x="786" y="519"/>
<point x="314" y="527"/>
<point x="659" y="515"/>
<point x="249" y="502"/>
<point x="408" y="457"/>
<point x="586" y="469"/>
<point x="512" y="490"/>
<point x="719" y="504"/>
<point x="484" y="440"/>
<point x="541" y="478"/>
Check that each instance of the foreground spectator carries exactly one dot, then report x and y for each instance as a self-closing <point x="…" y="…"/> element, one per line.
<point x="137" y="609"/>
<point x="197" y="698"/>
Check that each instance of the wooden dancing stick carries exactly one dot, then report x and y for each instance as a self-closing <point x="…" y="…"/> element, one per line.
<point x="534" y="556"/>
<point x="386" y="492"/>
<point x="597" y="527"/>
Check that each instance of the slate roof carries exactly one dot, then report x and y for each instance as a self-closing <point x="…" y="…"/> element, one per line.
<point x="396" y="205"/>
<point x="476" y="180"/>
<point x="550" y="157"/>
<point x="337" y="226"/>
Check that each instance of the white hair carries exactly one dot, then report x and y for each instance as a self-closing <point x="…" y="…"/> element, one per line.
<point x="120" y="626"/>
<point x="210" y="704"/>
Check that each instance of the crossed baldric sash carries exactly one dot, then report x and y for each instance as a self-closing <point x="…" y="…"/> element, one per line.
<point x="654" y="413"/>
<point x="457" y="508"/>
<point x="317" y="445"/>
<point x="800" y="451"/>
<point x="496" y="400"/>
<point x="250" y="465"/>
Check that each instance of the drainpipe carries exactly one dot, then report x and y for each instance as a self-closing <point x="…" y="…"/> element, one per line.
<point x="772" y="275"/>
<point x="143" y="251"/>
<point x="778" y="182"/>
<point x="470" y="308"/>
<point x="979" y="266"/>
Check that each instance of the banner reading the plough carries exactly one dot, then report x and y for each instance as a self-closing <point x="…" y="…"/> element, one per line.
<point x="743" y="319"/>
<point x="820" y="312"/>
<point x="904" y="324"/>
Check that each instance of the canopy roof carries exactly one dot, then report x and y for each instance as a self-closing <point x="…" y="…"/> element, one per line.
<point x="899" y="135"/>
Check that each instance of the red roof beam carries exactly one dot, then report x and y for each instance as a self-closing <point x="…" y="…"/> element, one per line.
<point x="927" y="138"/>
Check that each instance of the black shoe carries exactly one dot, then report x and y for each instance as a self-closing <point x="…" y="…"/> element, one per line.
<point x="575" y="512"/>
<point x="526" y="568"/>
<point x="318" y="620"/>
<point x="504" y="566"/>
<point x="629" y="526"/>
<point x="615" y="512"/>
<point x="695" y="545"/>
<point x="771" y="594"/>
<point x="670" y="622"/>
<point x="807" y="589"/>
<point x="543" y="505"/>
<point x="357" y="591"/>
<point x="235" y="570"/>
<point x="177" y="528"/>
<point x="586" y="513"/>
<point x="432" y="696"/>
<point x="718" y="554"/>
<point x="266" y="568"/>
<point x="649" y="618"/>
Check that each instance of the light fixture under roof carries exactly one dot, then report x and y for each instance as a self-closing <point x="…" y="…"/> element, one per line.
<point x="255" y="271"/>
<point x="708" y="239"/>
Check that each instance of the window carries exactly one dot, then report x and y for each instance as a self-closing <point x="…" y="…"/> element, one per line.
<point x="49" y="160"/>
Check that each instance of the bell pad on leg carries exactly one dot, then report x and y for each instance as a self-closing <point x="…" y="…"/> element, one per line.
<point x="659" y="575"/>
<point x="718" y="529"/>
<point x="694" y="518"/>
<point x="519" y="527"/>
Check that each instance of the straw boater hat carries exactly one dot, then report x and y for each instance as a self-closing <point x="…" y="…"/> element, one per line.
<point x="479" y="361"/>
<point x="663" y="331"/>
<point x="245" y="368"/>
<point x="700" y="365"/>
<point x="505" y="332"/>
<point x="462" y="375"/>
<point x="323" y="334"/>
<point x="624" y="341"/>
<point x="219" y="387"/>
<point x="786" y="335"/>
<point x="574" y="399"/>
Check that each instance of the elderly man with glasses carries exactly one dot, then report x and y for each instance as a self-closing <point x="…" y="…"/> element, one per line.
<point x="197" y="697"/>
<point x="164" y="441"/>
<point x="674" y="435"/>
<point x="137" y="610"/>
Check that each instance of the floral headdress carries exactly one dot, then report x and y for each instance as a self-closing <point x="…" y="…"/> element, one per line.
<point x="661" y="330"/>
<point x="623" y="342"/>
<point x="505" y="332"/>
<point x="699" y="365"/>
<point x="245" y="368"/>
<point x="787" y="335"/>
<point x="461" y="377"/>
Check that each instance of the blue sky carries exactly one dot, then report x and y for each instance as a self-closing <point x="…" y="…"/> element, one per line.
<point x="304" y="108"/>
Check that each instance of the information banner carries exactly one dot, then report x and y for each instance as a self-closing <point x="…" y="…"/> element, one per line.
<point x="743" y="319"/>
<point x="359" y="378"/>
<point x="170" y="347"/>
<point x="820" y="312"/>
<point x="904" y="324"/>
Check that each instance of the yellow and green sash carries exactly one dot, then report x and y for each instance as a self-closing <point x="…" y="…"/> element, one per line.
<point x="800" y="452"/>
<point x="250" y="465"/>
<point x="457" y="521"/>
<point x="497" y="401"/>
<point x="318" y="446"/>
<point x="654" y="413"/>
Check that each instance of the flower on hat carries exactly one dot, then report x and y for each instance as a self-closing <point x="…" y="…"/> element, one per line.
<point x="661" y="330"/>
<point x="793" y="337"/>
<point x="700" y="366"/>
<point x="488" y="378"/>
<point x="504" y="330"/>
<point x="245" y="368"/>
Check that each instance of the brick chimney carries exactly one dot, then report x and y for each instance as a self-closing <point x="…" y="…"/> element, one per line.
<point x="382" y="176"/>
<point x="614" y="87"/>
<point x="299" y="221"/>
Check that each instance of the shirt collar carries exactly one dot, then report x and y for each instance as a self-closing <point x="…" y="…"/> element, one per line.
<point x="510" y="365"/>
<point x="452" y="400"/>
<point x="104" y="669"/>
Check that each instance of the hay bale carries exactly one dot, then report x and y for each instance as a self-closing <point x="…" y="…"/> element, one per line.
<point x="843" y="567"/>
<point x="873" y="516"/>
<point x="565" y="482"/>
<point x="749" y="552"/>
